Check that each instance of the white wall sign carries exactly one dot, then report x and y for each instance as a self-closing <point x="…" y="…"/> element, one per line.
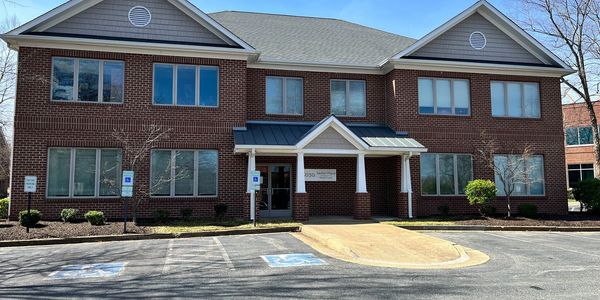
<point x="30" y="184"/>
<point x="127" y="186"/>
<point x="256" y="180"/>
<point x="320" y="175"/>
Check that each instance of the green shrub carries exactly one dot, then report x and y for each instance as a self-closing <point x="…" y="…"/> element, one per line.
<point x="186" y="213"/>
<point x="588" y="192"/>
<point x="95" y="218"/>
<point x="487" y="210"/>
<point x="4" y="203"/>
<point x="30" y="219"/>
<point x="481" y="193"/>
<point x="444" y="210"/>
<point x="69" y="215"/>
<point x="220" y="210"/>
<point x="528" y="210"/>
<point x="161" y="216"/>
<point x="570" y="195"/>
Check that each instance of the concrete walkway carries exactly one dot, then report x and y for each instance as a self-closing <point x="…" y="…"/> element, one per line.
<point x="383" y="245"/>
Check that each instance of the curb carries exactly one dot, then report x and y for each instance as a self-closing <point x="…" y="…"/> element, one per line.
<point x="138" y="237"/>
<point x="502" y="228"/>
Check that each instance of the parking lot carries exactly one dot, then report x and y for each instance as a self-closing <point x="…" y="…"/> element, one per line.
<point x="523" y="265"/>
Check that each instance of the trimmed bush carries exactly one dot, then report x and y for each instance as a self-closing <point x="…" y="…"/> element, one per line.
<point x="186" y="213"/>
<point x="444" y="210"/>
<point x="528" y="210"/>
<point x="4" y="203"/>
<point x="95" y="218"/>
<point x="69" y="215"/>
<point x="588" y="192"/>
<point x="161" y="216"/>
<point x="220" y="210"/>
<point x="30" y="219"/>
<point x="481" y="193"/>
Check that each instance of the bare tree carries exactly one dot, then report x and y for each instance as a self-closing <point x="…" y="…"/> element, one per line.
<point x="572" y="29"/>
<point x="511" y="169"/>
<point x="8" y="75"/>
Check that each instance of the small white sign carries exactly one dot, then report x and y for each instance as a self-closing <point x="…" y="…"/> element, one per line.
<point x="30" y="184"/>
<point x="128" y="178"/>
<point x="127" y="191"/>
<point x="256" y="180"/>
<point x="320" y="175"/>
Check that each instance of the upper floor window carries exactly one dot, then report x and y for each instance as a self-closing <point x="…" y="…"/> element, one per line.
<point x="87" y="80"/>
<point x="445" y="174"/>
<point x="444" y="96"/>
<point x="184" y="173"/>
<point x="284" y="95"/>
<point x="580" y="136"/>
<point x="348" y="98"/>
<point x="515" y="99"/>
<point x="186" y="85"/>
<point x="84" y="173"/>
<point x="533" y="166"/>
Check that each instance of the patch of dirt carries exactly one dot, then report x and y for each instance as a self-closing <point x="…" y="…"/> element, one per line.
<point x="572" y="220"/>
<point x="14" y="231"/>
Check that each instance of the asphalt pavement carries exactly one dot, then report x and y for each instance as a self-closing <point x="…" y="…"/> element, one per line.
<point x="522" y="266"/>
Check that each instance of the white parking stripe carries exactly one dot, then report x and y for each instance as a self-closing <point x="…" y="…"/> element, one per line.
<point x="224" y="253"/>
<point x="577" y="235"/>
<point x="537" y="243"/>
<point x="207" y="253"/>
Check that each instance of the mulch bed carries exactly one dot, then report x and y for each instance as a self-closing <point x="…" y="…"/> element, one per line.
<point x="45" y="229"/>
<point x="571" y="220"/>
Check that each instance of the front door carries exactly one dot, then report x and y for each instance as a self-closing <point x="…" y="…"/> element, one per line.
<point x="275" y="191"/>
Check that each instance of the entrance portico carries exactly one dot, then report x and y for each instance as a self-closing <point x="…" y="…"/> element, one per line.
<point x="328" y="141"/>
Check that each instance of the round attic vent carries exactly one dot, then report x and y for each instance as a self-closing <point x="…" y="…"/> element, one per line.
<point x="139" y="16"/>
<point x="477" y="40"/>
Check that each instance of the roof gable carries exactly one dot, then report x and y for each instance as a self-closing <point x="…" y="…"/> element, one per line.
<point x="481" y="15"/>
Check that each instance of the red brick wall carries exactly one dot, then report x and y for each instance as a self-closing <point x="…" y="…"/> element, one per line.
<point x="577" y="115"/>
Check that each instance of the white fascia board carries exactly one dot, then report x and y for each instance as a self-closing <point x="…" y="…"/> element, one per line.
<point x="54" y="13"/>
<point x="208" y="22"/>
<point x="15" y="42"/>
<point x="315" y="67"/>
<point x="480" y="68"/>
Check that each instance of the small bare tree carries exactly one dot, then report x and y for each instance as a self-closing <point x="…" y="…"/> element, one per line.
<point x="8" y="75"/>
<point x="137" y="148"/>
<point x="511" y="169"/>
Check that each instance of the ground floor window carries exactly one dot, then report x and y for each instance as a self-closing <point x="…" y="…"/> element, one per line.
<point x="83" y="172"/>
<point x="580" y="172"/>
<point x="534" y="166"/>
<point x="445" y="174"/>
<point x="184" y="173"/>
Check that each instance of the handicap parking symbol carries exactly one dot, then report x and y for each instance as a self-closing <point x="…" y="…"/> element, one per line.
<point x="293" y="260"/>
<point x="89" y="271"/>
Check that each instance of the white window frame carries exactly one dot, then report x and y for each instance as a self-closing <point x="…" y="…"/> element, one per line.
<point x="173" y="173"/>
<point x="527" y="186"/>
<point x="72" y="173"/>
<point x="522" y="86"/>
<point x="437" y="175"/>
<point x="284" y="95"/>
<point x="197" y="89"/>
<point x="579" y="137"/>
<point x="579" y="169"/>
<point x="76" y="61"/>
<point x="347" y="100"/>
<point x="452" y="100"/>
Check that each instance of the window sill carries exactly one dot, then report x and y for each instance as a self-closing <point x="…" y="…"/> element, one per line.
<point x="182" y="197"/>
<point x="185" y="107"/>
<point x="518" y="118"/>
<point x="75" y="199"/>
<point x="445" y="115"/>
<point x="443" y="196"/>
<point x="72" y="102"/>
<point x="285" y="115"/>
<point x="577" y="146"/>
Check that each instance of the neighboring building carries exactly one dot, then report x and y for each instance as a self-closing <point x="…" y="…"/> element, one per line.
<point x="243" y="91"/>
<point x="579" y="143"/>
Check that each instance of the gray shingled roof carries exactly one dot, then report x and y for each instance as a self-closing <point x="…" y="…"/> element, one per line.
<point x="312" y="40"/>
<point x="289" y="134"/>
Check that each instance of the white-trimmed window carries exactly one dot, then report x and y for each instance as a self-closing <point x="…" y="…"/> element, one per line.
<point x="445" y="174"/>
<point x="87" y="80"/>
<point x="348" y="98"/>
<point x="580" y="136"/>
<point x="535" y="179"/>
<point x="186" y="85"/>
<point x="184" y="173"/>
<point x="284" y="95"/>
<point x="438" y="96"/>
<point x="579" y="172"/>
<point x="515" y="99"/>
<point x="84" y="173"/>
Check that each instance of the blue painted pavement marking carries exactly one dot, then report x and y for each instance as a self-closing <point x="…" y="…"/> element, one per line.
<point x="89" y="271"/>
<point x="293" y="260"/>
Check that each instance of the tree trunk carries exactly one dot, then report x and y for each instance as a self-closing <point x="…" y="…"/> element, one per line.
<point x="594" y="121"/>
<point x="508" y="205"/>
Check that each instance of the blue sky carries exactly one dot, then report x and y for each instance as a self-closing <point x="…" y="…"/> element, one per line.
<point x="406" y="17"/>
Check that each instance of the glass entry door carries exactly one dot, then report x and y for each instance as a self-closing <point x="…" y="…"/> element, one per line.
<point x="275" y="191"/>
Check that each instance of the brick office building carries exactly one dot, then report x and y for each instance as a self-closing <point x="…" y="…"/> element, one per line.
<point x="340" y="119"/>
<point x="579" y="144"/>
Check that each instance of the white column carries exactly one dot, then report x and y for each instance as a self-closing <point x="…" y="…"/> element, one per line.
<point x="407" y="183"/>
<point x="361" y="176"/>
<point x="300" y="184"/>
<point x="251" y="167"/>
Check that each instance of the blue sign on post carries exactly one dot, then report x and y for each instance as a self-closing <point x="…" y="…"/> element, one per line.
<point x="127" y="186"/>
<point x="293" y="260"/>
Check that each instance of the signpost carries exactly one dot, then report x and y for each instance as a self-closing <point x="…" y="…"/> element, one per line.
<point x="30" y="187"/>
<point x="126" y="192"/>
<point x="255" y="186"/>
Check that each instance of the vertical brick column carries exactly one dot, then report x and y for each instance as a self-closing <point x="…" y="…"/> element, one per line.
<point x="402" y="205"/>
<point x="362" y="206"/>
<point x="301" y="208"/>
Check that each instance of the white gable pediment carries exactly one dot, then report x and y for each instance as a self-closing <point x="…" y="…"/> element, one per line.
<point x="330" y="139"/>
